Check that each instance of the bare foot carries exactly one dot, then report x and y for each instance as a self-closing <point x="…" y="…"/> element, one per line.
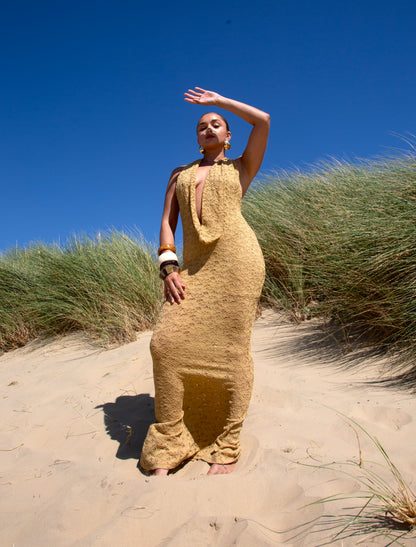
<point x="159" y="472"/>
<point x="221" y="468"/>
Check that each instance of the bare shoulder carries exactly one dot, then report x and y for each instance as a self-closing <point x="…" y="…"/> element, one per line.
<point x="175" y="173"/>
<point x="174" y="176"/>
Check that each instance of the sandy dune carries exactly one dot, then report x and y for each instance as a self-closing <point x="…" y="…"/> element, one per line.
<point x="74" y="418"/>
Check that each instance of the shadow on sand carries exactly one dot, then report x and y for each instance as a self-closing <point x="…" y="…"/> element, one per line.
<point x="331" y="345"/>
<point x="127" y="421"/>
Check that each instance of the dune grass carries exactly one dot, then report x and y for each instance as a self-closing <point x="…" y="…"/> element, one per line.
<point x="340" y="241"/>
<point x="106" y="286"/>
<point x="388" y="505"/>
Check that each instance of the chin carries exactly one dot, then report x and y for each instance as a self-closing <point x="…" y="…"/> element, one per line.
<point x="213" y="145"/>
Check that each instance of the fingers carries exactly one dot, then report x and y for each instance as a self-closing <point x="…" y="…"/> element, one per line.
<point x="174" y="288"/>
<point x="192" y="96"/>
<point x="201" y="96"/>
<point x="199" y="91"/>
<point x="175" y="294"/>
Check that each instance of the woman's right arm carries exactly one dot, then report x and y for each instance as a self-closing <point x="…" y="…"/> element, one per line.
<point x="174" y="287"/>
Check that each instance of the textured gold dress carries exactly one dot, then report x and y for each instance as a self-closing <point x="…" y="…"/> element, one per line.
<point x="203" y="369"/>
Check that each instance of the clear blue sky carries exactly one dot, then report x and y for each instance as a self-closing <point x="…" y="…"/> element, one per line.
<point x="92" y="114"/>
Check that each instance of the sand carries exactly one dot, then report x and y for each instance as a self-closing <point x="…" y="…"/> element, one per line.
<point x="74" y="417"/>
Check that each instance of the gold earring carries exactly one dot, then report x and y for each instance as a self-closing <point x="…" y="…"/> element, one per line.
<point x="201" y="149"/>
<point x="227" y="145"/>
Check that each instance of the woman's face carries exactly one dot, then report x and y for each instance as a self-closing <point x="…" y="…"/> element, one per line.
<point x="212" y="131"/>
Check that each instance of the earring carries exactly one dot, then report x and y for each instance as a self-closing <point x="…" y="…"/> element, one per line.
<point x="201" y="149"/>
<point x="227" y="145"/>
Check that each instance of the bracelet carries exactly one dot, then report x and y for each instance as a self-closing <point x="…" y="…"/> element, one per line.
<point x="167" y="255"/>
<point x="169" y="263"/>
<point x="166" y="247"/>
<point x="166" y="270"/>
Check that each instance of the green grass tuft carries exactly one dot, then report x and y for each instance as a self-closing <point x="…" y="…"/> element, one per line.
<point x="106" y="286"/>
<point x="340" y="241"/>
<point x="388" y="508"/>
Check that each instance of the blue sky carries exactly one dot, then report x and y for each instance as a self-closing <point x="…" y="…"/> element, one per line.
<point x="92" y="114"/>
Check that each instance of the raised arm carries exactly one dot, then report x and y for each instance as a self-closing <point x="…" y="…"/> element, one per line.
<point x="253" y="154"/>
<point x="174" y="288"/>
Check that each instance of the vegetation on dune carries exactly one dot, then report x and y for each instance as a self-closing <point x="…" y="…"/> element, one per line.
<point x="107" y="286"/>
<point x="339" y="241"/>
<point x="382" y="503"/>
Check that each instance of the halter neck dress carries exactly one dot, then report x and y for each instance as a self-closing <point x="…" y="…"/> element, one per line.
<point x="201" y="348"/>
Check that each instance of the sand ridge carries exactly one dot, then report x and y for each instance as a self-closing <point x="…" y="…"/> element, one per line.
<point x="75" y="415"/>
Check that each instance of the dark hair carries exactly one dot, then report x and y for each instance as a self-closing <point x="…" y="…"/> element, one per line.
<point x="225" y="121"/>
<point x="219" y="115"/>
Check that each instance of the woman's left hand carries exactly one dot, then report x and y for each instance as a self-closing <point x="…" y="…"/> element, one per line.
<point x="202" y="96"/>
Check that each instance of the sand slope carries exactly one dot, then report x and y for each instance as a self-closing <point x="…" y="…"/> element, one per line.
<point x="74" y="417"/>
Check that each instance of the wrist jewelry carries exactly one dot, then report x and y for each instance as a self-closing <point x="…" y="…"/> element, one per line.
<point x="167" y="255"/>
<point x="166" y="247"/>
<point x="168" y="269"/>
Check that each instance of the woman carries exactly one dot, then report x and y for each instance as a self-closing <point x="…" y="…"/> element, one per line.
<point x="203" y="370"/>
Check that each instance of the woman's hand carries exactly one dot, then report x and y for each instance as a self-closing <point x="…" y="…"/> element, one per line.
<point x="202" y="96"/>
<point x="174" y="288"/>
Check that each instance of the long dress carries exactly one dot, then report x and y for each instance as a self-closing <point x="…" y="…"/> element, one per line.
<point x="201" y="348"/>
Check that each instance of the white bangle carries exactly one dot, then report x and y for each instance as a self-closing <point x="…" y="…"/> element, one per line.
<point x="167" y="255"/>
